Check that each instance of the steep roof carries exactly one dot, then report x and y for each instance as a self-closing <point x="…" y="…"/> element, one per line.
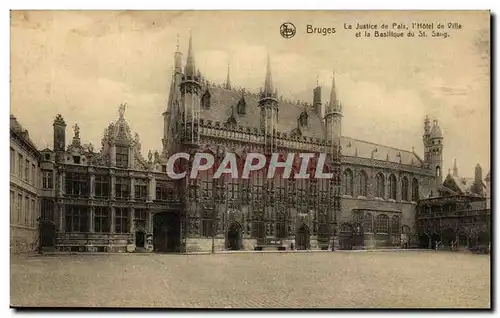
<point x="223" y="100"/>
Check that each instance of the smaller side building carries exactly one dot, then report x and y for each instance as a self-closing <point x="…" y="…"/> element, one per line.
<point x="24" y="181"/>
<point x="460" y="216"/>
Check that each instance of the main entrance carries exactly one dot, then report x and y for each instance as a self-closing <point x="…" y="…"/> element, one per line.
<point x="233" y="240"/>
<point x="302" y="238"/>
<point x="140" y="238"/>
<point x="167" y="232"/>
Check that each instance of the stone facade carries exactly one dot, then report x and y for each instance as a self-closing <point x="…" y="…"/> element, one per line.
<point x="24" y="180"/>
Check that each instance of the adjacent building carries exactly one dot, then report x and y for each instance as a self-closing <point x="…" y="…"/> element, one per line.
<point x="24" y="182"/>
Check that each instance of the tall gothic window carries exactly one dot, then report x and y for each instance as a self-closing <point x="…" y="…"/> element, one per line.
<point x="101" y="186"/>
<point x="121" y="220"/>
<point x="404" y="189"/>
<point x="140" y="218"/>
<point x="140" y="189"/>
<point x="368" y="223"/>
<point x="122" y="156"/>
<point x="393" y="187"/>
<point x="382" y="223"/>
<point x="363" y="183"/>
<point x="76" y="218"/>
<point x="207" y="223"/>
<point x="77" y="184"/>
<point x="233" y="189"/>
<point x="101" y="219"/>
<point x="122" y="188"/>
<point x="414" y="190"/>
<point x="347" y="182"/>
<point x="395" y="224"/>
<point x="380" y="184"/>
<point x="281" y="226"/>
<point x="47" y="209"/>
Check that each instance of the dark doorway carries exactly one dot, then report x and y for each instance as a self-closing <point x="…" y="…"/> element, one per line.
<point x="234" y="237"/>
<point x="449" y="236"/>
<point x="140" y="238"/>
<point x="48" y="233"/>
<point x="302" y="238"/>
<point x="483" y="238"/>
<point x="167" y="232"/>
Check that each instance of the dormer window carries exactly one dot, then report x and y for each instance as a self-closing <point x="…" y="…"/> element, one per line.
<point x="303" y="119"/>
<point x="122" y="156"/>
<point x="76" y="159"/>
<point x="205" y="100"/>
<point x="242" y="106"/>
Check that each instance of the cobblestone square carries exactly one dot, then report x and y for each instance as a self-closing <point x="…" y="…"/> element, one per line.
<point x="254" y="280"/>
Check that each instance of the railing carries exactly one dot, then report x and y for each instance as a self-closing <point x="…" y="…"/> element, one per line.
<point x="459" y="213"/>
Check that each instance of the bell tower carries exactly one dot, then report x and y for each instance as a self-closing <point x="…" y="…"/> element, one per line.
<point x="269" y="108"/>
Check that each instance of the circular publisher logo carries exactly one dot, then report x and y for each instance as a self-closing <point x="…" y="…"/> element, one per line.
<point x="288" y="30"/>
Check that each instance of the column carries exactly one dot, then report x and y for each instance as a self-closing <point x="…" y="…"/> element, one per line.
<point x="131" y="157"/>
<point x="91" y="219"/>
<point x="92" y="185"/>
<point x="131" y="214"/>
<point x="149" y="221"/>
<point x="151" y="188"/>
<point x="62" y="175"/>
<point x="132" y="188"/>
<point x="113" y="219"/>
<point x="60" y="207"/>
<point x="112" y="180"/>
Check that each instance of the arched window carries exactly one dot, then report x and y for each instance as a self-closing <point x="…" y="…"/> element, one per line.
<point x="347" y="183"/>
<point x="392" y="187"/>
<point x="382" y="223"/>
<point x="438" y="171"/>
<point x="395" y="228"/>
<point x="404" y="189"/>
<point x="414" y="190"/>
<point x="368" y="223"/>
<point x="363" y="183"/>
<point x="380" y="184"/>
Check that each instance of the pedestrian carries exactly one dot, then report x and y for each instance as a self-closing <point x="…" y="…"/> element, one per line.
<point x="291" y="246"/>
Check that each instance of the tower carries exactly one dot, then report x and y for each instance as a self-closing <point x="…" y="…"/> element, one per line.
<point x="433" y="145"/>
<point x="59" y="137"/>
<point x="171" y="111"/>
<point x="478" y="180"/>
<point x="333" y="117"/>
<point x="455" y="169"/>
<point x="191" y="97"/>
<point x="228" y="79"/>
<point x="318" y="107"/>
<point x="269" y="108"/>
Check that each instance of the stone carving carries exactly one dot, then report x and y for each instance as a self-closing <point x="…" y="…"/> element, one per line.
<point x="76" y="129"/>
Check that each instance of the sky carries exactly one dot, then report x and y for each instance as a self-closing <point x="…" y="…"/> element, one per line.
<point x="84" y="64"/>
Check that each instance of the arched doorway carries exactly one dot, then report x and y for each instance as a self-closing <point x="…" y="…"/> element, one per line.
<point x="302" y="238"/>
<point x="47" y="233"/>
<point x="167" y="231"/>
<point x="449" y="236"/>
<point x="140" y="239"/>
<point x="233" y="237"/>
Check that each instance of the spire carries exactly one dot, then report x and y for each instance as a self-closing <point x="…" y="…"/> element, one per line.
<point x="333" y="94"/>
<point x="178" y="57"/>
<point x="190" y="69"/>
<point x="455" y="169"/>
<point x="268" y="85"/>
<point x="228" y="80"/>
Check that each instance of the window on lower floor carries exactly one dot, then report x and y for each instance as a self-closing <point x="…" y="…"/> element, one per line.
<point x="395" y="225"/>
<point x="76" y="218"/>
<point x="12" y="161"/>
<point x="27" y="170"/>
<point x="77" y="184"/>
<point x="26" y="210"/>
<point x="102" y="186"/>
<point x="19" y="208"/>
<point x="207" y="227"/>
<point x="101" y="219"/>
<point x="140" y="218"/>
<point x="368" y="223"/>
<point x="121" y="220"/>
<point x="382" y="223"/>
<point x="12" y="207"/>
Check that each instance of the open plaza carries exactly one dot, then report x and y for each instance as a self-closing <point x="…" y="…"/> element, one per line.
<point x="343" y="279"/>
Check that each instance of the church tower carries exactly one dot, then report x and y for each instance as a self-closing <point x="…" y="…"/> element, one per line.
<point x="172" y="109"/>
<point x="269" y="108"/>
<point x="190" y="96"/>
<point x="59" y="137"/>
<point x="333" y="117"/>
<point x="433" y="150"/>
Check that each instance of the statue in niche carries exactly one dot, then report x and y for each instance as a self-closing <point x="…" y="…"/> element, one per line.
<point x="157" y="156"/>
<point x="150" y="156"/>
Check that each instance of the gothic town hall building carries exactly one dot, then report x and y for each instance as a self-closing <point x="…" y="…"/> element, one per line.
<point x="116" y="200"/>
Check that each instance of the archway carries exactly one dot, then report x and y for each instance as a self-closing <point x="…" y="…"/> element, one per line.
<point x="483" y="238"/>
<point x="167" y="232"/>
<point x="47" y="233"/>
<point x="140" y="239"/>
<point x="449" y="236"/>
<point x="302" y="238"/>
<point x="233" y="237"/>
